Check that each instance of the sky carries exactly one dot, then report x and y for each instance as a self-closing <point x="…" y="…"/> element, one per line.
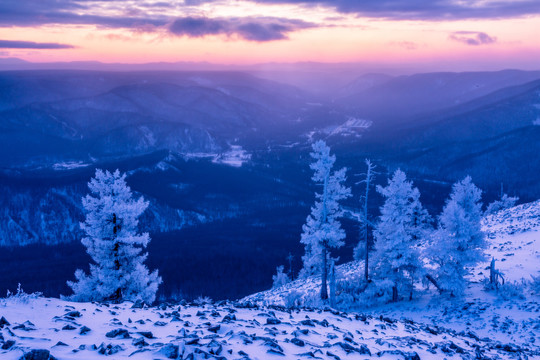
<point x="454" y="33"/>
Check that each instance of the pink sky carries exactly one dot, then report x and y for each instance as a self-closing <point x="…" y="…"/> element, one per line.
<point x="244" y="32"/>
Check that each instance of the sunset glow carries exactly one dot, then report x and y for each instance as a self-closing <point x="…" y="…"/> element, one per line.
<point x="244" y="32"/>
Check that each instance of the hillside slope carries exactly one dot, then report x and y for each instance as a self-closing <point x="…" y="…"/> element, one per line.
<point x="514" y="236"/>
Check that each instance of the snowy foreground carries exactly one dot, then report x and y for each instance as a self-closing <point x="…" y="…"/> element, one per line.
<point x="227" y="331"/>
<point x="483" y="325"/>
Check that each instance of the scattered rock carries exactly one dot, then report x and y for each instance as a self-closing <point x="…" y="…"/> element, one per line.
<point x="118" y="333"/>
<point x="273" y="321"/>
<point x="38" y="354"/>
<point x="84" y="330"/>
<point x="298" y="342"/>
<point x="170" y="351"/>
<point x="3" y="322"/>
<point x="146" y="334"/>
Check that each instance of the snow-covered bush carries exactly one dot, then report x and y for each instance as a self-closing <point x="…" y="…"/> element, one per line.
<point x="512" y="290"/>
<point x="505" y="202"/>
<point x="280" y="278"/>
<point x="114" y="244"/>
<point x="535" y="284"/>
<point x="293" y="299"/>
<point x="21" y="297"/>
<point x="203" y="300"/>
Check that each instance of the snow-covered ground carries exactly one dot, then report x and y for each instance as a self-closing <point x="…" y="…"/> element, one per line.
<point x="482" y="325"/>
<point x="514" y="237"/>
<point x="228" y="331"/>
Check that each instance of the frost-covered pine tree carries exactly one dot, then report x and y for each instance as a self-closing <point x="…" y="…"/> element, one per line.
<point x="322" y="230"/>
<point x="114" y="244"/>
<point x="459" y="241"/>
<point x="398" y="234"/>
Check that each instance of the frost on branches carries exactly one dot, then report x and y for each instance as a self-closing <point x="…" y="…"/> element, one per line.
<point x="459" y="241"/>
<point x="113" y="243"/>
<point x="322" y="230"/>
<point x="401" y="229"/>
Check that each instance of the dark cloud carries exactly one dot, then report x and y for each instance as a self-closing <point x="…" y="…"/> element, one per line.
<point x="426" y="9"/>
<point x="9" y="44"/>
<point x="250" y="28"/>
<point x="472" y="37"/>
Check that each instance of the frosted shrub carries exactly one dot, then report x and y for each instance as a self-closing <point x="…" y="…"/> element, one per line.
<point x="293" y="299"/>
<point x="21" y="297"/>
<point x="535" y="285"/>
<point x="280" y="278"/>
<point x="200" y="301"/>
<point x="505" y="202"/>
<point x="512" y="290"/>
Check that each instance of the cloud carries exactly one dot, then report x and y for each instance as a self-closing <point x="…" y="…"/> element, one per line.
<point x="11" y="44"/>
<point x="258" y="29"/>
<point x="425" y="9"/>
<point x="473" y="38"/>
<point x="408" y="45"/>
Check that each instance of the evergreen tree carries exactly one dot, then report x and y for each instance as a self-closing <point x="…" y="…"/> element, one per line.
<point x="459" y="241"/>
<point x="401" y="228"/>
<point x="113" y="243"/>
<point x="322" y="230"/>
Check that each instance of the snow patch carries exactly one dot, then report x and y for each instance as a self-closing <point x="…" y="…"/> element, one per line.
<point x="69" y="165"/>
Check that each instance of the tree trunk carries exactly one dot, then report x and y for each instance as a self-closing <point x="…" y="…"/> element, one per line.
<point x="117" y="296"/>
<point x="394" y="294"/>
<point x="366" y="264"/>
<point x="434" y="282"/>
<point x="324" y="290"/>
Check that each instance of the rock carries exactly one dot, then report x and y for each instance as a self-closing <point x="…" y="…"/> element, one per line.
<point x="39" y="354"/>
<point x="274" y="351"/>
<point x="109" y="349"/>
<point x="332" y="355"/>
<point x="362" y="350"/>
<point x="74" y="314"/>
<point x="298" y="342"/>
<point x="139" y="304"/>
<point x="405" y="355"/>
<point x="307" y="322"/>
<point x="60" y="343"/>
<point x="3" y="322"/>
<point x="214" y="328"/>
<point x="69" y="327"/>
<point x="8" y="344"/>
<point x="146" y="334"/>
<point x="228" y="318"/>
<point x="139" y="342"/>
<point x="273" y="321"/>
<point x="160" y="323"/>
<point x="170" y="351"/>
<point x="84" y="330"/>
<point x="118" y="333"/>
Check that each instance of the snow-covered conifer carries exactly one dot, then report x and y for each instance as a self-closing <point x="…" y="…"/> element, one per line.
<point x="113" y="243"/>
<point x="402" y="225"/>
<point x="322" y="230"/>
<point x="459" y="241"/>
